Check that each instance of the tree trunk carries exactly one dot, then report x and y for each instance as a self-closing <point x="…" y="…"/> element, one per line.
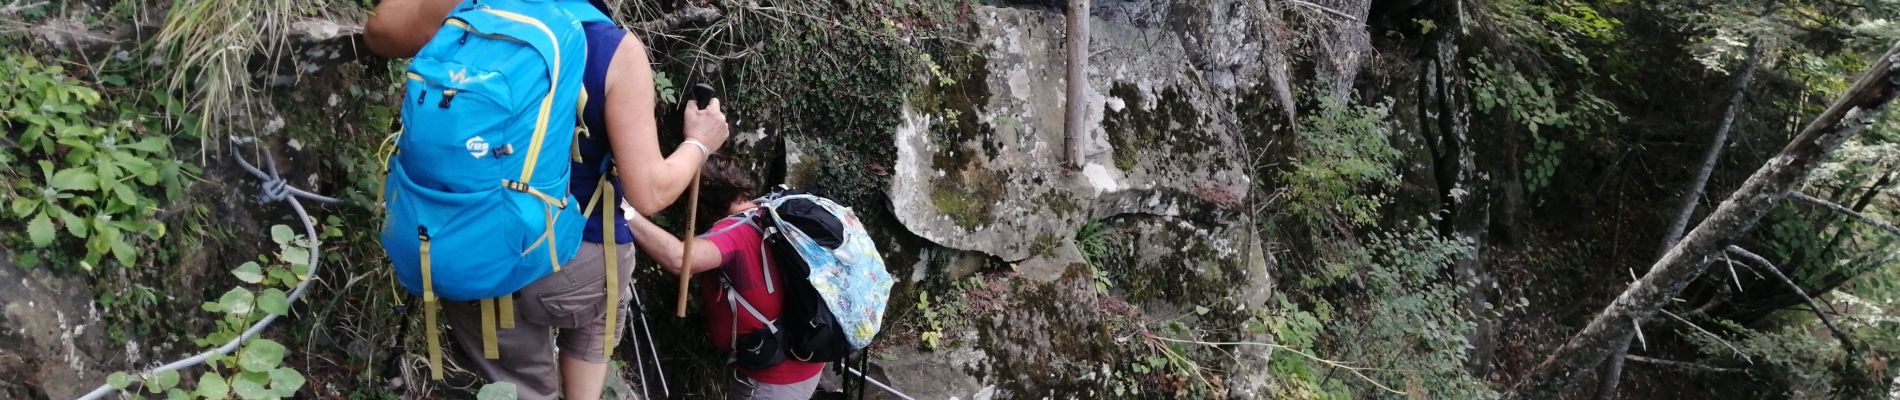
<point x="1463" y="200"/>
<point x="1699" y="184"/>
<point x="1613" y="369"/>
<point x="1857" y="109"/>
<point x="1078" y="82"/>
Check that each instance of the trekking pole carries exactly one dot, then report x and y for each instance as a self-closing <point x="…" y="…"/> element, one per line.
<point x="658" y="370"/>
<point x="702" y="93"/>
<point x="879" y="385"/>
<point x="639" y="360"/>
<point x="686" y="251"/>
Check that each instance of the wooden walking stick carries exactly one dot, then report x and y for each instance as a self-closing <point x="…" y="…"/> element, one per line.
<point x="703" y="93"/>
<point x="686" y="250"/>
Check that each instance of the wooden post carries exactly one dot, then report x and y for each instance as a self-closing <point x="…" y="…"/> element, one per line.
<point x="1078" y="82"/>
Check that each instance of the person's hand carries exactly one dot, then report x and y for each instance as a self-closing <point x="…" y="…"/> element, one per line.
<point x="708" y="126"/>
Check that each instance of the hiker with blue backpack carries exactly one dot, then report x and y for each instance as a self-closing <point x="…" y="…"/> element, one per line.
<point x="796" y="282"/>
<point x="525" y="124"/>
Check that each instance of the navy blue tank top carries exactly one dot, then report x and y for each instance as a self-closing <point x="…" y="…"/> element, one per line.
<point x="603" y="39"/>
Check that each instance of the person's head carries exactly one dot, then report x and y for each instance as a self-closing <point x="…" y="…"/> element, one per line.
<point x="725" y="187"/>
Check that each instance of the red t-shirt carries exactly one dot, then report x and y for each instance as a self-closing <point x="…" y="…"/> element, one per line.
<point x="740" y="261"/>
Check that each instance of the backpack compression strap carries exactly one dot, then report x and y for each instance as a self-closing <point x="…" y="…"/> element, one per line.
<point x="540" y="134"/>
<point x="428" y="310"/>
<point x="609" y="245"/>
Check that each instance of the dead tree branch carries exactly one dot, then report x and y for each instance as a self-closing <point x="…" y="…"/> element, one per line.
<point x="1682" y="365"/>
<point x="1682" y="264"/>
<point x="685" y="15"/>
<point x="1718" y="338"/>
<point x="1699" y="185"/>
<point x="1846" y="211"/>
<point x="1613" y="369"/>
<point x="1762" y="263"/>
<point x="19" y="6"/>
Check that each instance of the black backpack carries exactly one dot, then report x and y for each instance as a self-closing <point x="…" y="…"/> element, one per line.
<point x="806" y="329"/>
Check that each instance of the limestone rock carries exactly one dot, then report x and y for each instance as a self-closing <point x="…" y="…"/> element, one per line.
<point x="52" y="340"/>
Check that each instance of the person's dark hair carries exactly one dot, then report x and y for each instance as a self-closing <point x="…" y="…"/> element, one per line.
<point x="722" y="181"/>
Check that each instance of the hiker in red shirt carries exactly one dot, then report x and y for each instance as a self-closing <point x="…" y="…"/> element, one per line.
<point x="736" y="255"/>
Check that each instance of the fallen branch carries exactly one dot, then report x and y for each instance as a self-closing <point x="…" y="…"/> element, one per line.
<point x="1341" y="14"/>
<point x="1857" y="109"/>
<point x="1680" y="364"/>
<point x="1762" y="263"/>
<point x="685" y="15"/>
<point x="1846" y="211"/>
<point x="1335" y="364"/>
<point x="18" y="6"/>
<point x="1712" y="335"/>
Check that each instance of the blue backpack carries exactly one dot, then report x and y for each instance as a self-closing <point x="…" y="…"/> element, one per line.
<point x="477" y="191"/>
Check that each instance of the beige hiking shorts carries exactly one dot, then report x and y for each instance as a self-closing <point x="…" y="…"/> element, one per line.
<point x="563" y="312"/>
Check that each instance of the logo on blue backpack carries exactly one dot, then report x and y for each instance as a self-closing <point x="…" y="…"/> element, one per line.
<point x="476" y="146"/>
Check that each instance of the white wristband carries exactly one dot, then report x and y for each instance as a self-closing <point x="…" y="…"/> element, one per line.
<point x="701" y="146"/>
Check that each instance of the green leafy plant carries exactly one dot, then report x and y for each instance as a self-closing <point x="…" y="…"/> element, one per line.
<point x="256" y="370"/>
<point x="1098" y="246"/>
<point x="1400" y="317"/>
<point x="80" y="168"/>
<point x="1543" y="109"/>
<point x="1343" y="149"/>
<point x="664" y="87"/>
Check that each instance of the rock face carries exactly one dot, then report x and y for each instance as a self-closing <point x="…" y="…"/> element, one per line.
<point x="1163" y="139"/>
<point x="1167" y="176"/>
<point x="51" y="336"/>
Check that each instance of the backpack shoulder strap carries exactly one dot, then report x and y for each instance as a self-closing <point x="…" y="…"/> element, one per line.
<point x="734" y="302"/>
<point x="745" y="218"/>
<point x="750" y="217"/>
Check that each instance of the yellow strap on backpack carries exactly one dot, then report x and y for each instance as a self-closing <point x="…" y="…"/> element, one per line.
<point x="428" y="314"/>
<point x="608" y="242"/>
<point x="490" y="349"/>
<point x="508" y="311"/>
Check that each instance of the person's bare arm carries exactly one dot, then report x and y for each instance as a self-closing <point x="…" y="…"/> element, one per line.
<point x="665" y="248"/>
<point x="399" y="28"/>
<point x="652" y="181"/>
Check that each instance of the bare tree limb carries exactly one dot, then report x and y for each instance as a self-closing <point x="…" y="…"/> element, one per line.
<point x="1613" y="369"/>
<point x="1341" y="14"/>
<point x="1763" y="264"/>
<point x="685" y="15"/>
<point x="1682" y="264"/>
<point x="1718" y="338"/>
<point x="1682" y="365"/>
<point x="1699" y="185"/>
<point x="19" y="6"/>
<point x="1846" y="211"/>
<point x="1866" y="198"/>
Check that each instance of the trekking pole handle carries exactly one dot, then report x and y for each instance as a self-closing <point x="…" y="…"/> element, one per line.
<point x="686" y="249"/>
<point x="703" y="94"/>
